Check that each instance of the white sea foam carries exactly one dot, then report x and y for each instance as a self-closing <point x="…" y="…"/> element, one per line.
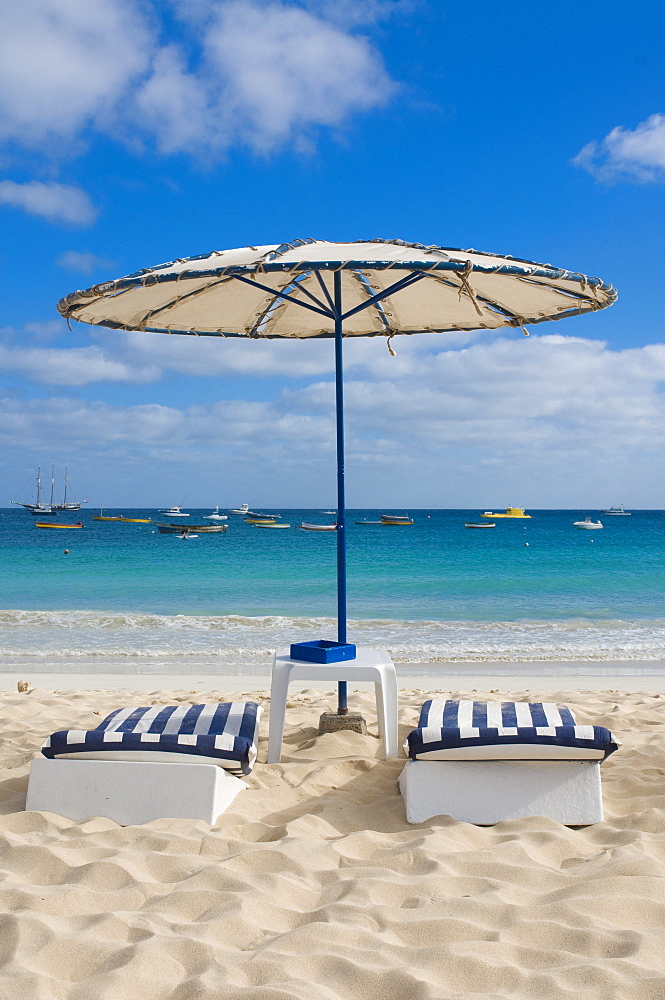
<point x="232" y="639"/>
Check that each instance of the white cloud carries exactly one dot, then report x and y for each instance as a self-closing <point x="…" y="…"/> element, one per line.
<point x="82" y="262"/>
<point x="628" y="154"/>
<point x="256" y="72"/>
<point x="549" y="421"/>
<point x="73" y="366"/>
<point x="65" y="64"/>
<point x="54" y="202"/>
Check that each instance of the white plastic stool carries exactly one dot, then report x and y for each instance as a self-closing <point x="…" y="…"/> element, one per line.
<point x="369" y="665"/>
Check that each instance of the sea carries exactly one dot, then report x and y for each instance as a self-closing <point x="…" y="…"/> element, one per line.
<point x="121" y="597"/>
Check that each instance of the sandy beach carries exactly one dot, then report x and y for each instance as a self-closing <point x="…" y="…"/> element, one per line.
<point x="313" y="886"/>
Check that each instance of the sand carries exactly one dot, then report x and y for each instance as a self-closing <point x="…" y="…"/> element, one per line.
<point x="313" y="886"/>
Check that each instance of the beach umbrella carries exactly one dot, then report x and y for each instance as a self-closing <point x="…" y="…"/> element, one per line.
<point x="314" y="288"/>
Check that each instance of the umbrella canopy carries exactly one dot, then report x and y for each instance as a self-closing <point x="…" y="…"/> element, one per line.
<point x="313" y="288"/>
<point x="387" y="286"/>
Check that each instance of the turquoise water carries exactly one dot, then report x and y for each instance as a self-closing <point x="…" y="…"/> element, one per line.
<point x="527" y="589"/>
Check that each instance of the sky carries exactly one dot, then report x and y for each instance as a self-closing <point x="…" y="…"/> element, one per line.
<point x="136" y="132"/>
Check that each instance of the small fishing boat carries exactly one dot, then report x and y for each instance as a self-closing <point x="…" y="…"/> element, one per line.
<point x="102" y="517"/>
<point x="616" y="512"/>
<point x="587" y="523"/>
<point x="317" y="527"/>
<point x="186" y="534"/>
<point x="270" y="524"/>
<point x="259" y="520"/>
<point x="368" y="522"/>
<point x="201" y="529"/>
<point x="135" y="520"/>
<point x="484" y="524"/>
<point x="396" y="519"/>
<point x="173" y="512"/>
<point x="510" y="512"/>
<point x="215" y="516"/>
<point x="55" y="524"/>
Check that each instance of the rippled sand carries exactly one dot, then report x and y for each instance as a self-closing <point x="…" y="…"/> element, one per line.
<point x="313" y="886"/>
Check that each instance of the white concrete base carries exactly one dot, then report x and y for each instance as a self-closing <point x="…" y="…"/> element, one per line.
<point x="486" y="792"/>
<point x="130" y="792"/>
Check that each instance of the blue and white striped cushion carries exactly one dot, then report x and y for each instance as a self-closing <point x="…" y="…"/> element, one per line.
<point x="217" y="733"/>
<point x="504" y="730"/>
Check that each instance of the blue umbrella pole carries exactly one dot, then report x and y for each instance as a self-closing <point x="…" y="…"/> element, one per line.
<point x="342" y="708"/>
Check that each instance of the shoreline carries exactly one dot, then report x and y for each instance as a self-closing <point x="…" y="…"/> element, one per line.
<point x="565" y="676"/>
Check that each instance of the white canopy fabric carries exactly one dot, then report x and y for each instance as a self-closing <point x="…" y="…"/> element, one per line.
<point x="444" y="289"/>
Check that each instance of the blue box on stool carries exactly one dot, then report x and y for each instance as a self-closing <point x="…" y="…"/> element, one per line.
<point x="323" y="651"/>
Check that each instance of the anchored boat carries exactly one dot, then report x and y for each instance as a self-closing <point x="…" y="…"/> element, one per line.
<point x="587" y="523"/>
<point x="396" y="519"/>
<point x="56" y="524"/>
<point x="510" y="512"/>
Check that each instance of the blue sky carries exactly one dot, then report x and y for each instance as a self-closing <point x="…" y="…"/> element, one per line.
<point x="133" y="133"/>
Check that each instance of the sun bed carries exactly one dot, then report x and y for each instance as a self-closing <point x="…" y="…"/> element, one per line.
<point x="483" y="762"/>
<point x="149" y="762"/>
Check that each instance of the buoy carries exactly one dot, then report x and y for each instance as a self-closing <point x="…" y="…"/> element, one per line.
<point x="526" y="544"/>
<point x="66" y="552"/>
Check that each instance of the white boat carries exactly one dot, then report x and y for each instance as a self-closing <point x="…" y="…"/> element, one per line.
<point x="485" y="524"/>
<point x="616" y="512"/>
<point x="215" y="516"/>
<point x="587" y="523"/>
<point x="173" y="512"/>
<point x="242" y="509"/>
<point x="317" y="527"/>
<point x="186" y="534"/>
<point x="396" y="519"/>
<point x="270" y="524"/>
<point x="39" y="509"/>
<point x="67" y="504"/>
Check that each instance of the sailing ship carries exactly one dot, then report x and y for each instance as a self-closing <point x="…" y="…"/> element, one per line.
<point x="38" y="509"/>
<point x="42" y="509"/>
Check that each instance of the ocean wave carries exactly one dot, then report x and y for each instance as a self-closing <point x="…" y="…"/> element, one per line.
<point x="228" y="639"/>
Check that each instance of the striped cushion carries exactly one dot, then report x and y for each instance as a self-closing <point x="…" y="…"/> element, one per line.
<point x="504" y="730"/>
<point x="223" y="734"/>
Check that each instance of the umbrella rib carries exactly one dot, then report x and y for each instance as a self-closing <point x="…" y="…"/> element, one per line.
<point x="282" y="295"/>
<point x="325" y="291"/>
<point x="398" y="286"/>
<point x="367" y="289"/>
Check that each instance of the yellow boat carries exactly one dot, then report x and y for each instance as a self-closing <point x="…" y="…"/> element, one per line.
<point x="260" y="520"/>
<point x="98" y="517"/>
<point x="510" y="512"/>
<point x="135" y="520"/>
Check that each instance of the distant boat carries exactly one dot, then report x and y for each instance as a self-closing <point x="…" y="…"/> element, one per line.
<point x="170" y="528"/>
<point x="135" y="520"/>
<point x="216" y="516"/>
<point x="510" y="512"/>
<point x="186" y="534"/>
<point x="39" y="509"/>
<point x="173" y="512"/>
<point x="587" y="523"/>
<point x="269" y="524"/>
<point x="259" y="519"/>
<point x="328" y="511"/>
<point x="317" y="527"/>
<point x="66" y="504"/>
<point x="57" y="524"/>
<point x="617" y="512"/>
<point x="396" y="519"/>
<point x="101" y="517"/>
<point x="242" y="509"/>
<point x="368" y="522"/>
<point x="484" y="524"/>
